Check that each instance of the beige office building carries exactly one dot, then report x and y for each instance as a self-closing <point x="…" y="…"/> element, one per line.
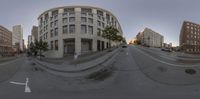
<point x="150" y="38"/>
<point x="75" y="29"/>
<point x="17" y="37"/>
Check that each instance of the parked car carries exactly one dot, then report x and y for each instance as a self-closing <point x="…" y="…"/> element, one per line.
<point x="124" y="46"/>
<point x="166" y="50"/>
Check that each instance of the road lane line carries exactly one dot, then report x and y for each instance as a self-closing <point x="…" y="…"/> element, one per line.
<point x="27" y="88"/>
<point x="17" y="83"/>
<point x="165" y="62"/>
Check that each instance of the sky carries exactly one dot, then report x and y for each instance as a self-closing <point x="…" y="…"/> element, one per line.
<point x="163" y="16"/>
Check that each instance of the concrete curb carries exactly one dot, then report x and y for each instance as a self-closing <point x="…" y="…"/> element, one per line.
<point x="80" y="69"/>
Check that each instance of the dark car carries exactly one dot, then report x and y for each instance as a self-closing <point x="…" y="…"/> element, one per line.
<point x="124" y="46"/>
<point x="166" y="50"/>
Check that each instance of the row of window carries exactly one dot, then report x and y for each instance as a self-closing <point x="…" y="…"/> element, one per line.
<point x="99" y="15"/>
<point x="54" y="45"/>
<point x="193" y="36"/>
<point x="192" y="42"/>
<point x="193" y="50"/>
<point x="85" y="29"/>
<point x="193" y="25"/>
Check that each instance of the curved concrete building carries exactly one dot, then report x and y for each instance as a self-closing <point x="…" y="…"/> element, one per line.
<point x="75" y="29"/>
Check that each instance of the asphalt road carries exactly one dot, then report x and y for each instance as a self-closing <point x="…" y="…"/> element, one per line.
<point x="139" y="75"/>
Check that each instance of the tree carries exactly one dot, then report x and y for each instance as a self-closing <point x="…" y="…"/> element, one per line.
<point x="119" y="38"/>
<point x="41" y="46"/>
<point x="110" y="33"/>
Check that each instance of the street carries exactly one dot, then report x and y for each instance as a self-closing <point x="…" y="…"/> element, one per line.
<point x="140" y="73"/>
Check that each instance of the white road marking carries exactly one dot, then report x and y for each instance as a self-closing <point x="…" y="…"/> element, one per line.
<point x="27" y="88"/>
<point x="18" y="83"/>
<point x="166" y="62"/>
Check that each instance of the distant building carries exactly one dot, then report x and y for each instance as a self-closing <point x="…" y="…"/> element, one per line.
<point x="132" y="41"/>
<point x="190" y="38"/>
<point x="34" y="32"/>
<point x="31" y="40"/>
<point x="5" y="42"/>
<point x="165" y="45"/>
<point x="150" y="38"/>
<point x="17" y="37"/>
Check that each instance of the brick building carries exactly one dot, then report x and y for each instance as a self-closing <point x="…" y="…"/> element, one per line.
<point x="5" y="42"/>
<point x="190" y="38"/>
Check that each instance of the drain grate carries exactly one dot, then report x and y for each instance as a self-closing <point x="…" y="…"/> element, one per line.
<point x="190" y="71"/>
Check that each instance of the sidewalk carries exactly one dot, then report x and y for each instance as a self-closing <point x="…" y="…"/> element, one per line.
<point x="80" y="67"/>
<point x="69" y="59"/>
<point x="6" y="59"/>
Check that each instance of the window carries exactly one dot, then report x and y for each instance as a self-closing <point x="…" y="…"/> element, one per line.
<point x="65" y="20"/>
<point x="56" y="44"/>
<point x="56" y="23"/>
<point x="51" y="45"/>
<point x="103" y="25"/>
<point x="83" y="19"/>
<point x="67" y="10"/>
<point x="90" y="29"/>
<point x="51" y="33"/>
<point x="90" y="20"/>
<point x="55" y="14"/>
<point x="99" y="32"/>
<point x="46" y="35"/>
<point x="99" y="12"/>
<point x="83" y="29"/>
<point x="65" y="29"/>
<point x="56" y="31"/>
<point x="72" y="29"/>
<point x="51" y="25"/>
<point x="90" y="14"/>
<point x="99" y="23"/>
<point x="72" y="19"/>
<point x="86" y="10"/>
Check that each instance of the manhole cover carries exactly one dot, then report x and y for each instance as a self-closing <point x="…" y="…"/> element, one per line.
<point x="162" y="69"/>
<point x="190" y="71"/>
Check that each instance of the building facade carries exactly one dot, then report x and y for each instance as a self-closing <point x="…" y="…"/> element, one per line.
<point x="17" y="37"/>
<point x="34" y="32"/>
<point x="75" y="29"/>
<point x="190" y="38"/>
<point x="150" y="38"/>
<point x="31" y="39"/>
<point x="5" y="42"/>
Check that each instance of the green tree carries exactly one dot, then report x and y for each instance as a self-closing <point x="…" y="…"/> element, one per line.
<point x="110" y="33"/>
<point x="41" y="46"/>
<point x="119" y="38"/>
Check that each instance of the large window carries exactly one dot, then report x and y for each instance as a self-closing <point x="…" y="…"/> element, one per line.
<point x="56" y="44"/>
<point x="56" y="31"/>
<point x="56" y="23"/>
<point x="90" y="20"/>
<point x="65" y="29"/>
<point x="83" y="19"/>
<point x="72" y="19"/>
<point x="51" y="45"/>
<point x="65" y="20"/>
<point x="90" y="29"/>
<point x="55" y="14"/>
<point x="51" y="33"/>
<point x="83" y="29"/>
<point x="71" y="29"/>
<point x="51" y="25"/>
<point x="98" y="32"/>
<point x="99" y="23"/>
